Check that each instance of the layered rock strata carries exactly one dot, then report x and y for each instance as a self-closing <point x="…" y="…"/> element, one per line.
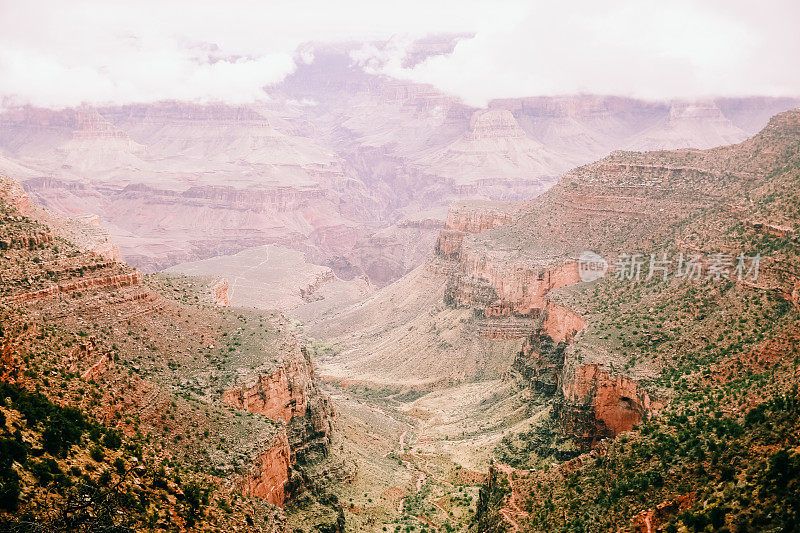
<point x="596" y="404"/>
<point x="100" y="282"/>
<point x="511" y="299"/>
<point x="288" y="394"/>
<point x="270" y="472"/>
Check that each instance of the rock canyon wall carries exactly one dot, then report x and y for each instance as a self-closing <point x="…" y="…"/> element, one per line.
<point x="289" y="394"/>
<point x="176" y="182"/>
<point x="512" y="297"/>
<point x="71" y="288"/>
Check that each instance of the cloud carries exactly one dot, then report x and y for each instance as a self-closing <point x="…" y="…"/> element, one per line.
<point x="644" y="48"/>
<point x="105" y="57"/>
<point x="58" y="54"/>
<point x="160" y="74"/>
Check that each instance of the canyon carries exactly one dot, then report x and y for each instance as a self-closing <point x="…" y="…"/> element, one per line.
<point x="508" y="306"/>
<point x="53" y="287"/>
<point x="501" y="302"/>
<point x="492" y="355"/>
<point x="359" y="305"/>
<point x="359" y="180"/>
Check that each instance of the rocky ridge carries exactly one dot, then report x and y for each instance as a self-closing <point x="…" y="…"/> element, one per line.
<point x="645" y="347"/>
<point x="332" y="165"/>
<point x="56" y="291"/>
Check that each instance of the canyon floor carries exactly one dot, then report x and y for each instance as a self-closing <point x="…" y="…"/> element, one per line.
<point x="422" y="461"/>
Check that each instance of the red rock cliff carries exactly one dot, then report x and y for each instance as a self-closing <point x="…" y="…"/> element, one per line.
<point x="591" y="404"/>
<point x="280" y="395"/>
<point x="561" y="323"/>
<point x="467" y="218"/>
<point x="289" y="394"/>
<point x="507" y="288"/>
<point x="497" y="286"/>
<point x="270" y="472"/>
<point x="597" y="404"/>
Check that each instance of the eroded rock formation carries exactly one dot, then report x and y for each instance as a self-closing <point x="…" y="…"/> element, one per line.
<point x="597" y="404"/>
<point x="270" y="473"/>
<point x="219" y="292"/>
<point x="561" y="323"/>
<point x="511" y="296"/>
<point x="591" y="402"/>
<point x="280" y="395"/>
<point x="470" y="217"/>
<point x="288" y="394"/>
<point x="99" y="282"/>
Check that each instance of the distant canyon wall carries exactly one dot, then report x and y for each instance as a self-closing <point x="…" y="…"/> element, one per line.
<point x="176" y="182"/>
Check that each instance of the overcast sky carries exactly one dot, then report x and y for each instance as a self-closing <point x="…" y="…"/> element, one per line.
<point x="61" y="53"/>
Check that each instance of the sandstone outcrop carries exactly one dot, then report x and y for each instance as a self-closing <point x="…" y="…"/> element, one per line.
<point x="88" y="350"/>
<point x="13" y="194"/>
<point x="591" y="402"/>
<point x="597" y="404"/>
<point x="499" y="286"/>
<point x="494" y="124"/>
<point x="280" y="395"/>
<point x="561" y="323"/>
<point x="89" y="233"/>
<point x="690" y="125"/>
<point x="288" y="394"/>
<point x="494" y="286"/>
<point x="25" y="241"/>
<point x="470" y="217"/>
<point x="540" y="363"/>
<point x="503" y="288"/>
<point x="219" y="292"/>
<point x="100" y="282"/>
<point x="270" y="472"/>
<point x="513" y="298"/>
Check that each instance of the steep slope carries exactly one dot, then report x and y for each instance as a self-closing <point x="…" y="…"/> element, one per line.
<point x="660" y="352"/>
<point x="333" y="166"/>
<point x="406" y="336"/>
<point x="620" y="359"/>
<point x="152" y="368"/>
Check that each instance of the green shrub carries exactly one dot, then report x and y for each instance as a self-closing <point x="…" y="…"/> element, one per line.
<point x="97" y="454"/>
<point x="9" y="495"/>
<point x="112" y="440"/>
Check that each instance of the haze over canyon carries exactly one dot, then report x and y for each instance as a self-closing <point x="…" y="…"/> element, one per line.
<point x="303" y="268"/>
